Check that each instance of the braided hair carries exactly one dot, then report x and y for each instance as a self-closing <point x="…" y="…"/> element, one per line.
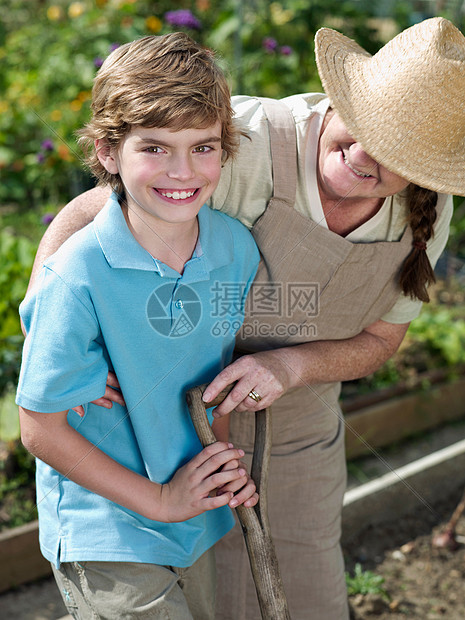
<point x="417" y="273"/>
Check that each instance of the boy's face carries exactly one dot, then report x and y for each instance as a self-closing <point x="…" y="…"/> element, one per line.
<point x="168" y="174"/>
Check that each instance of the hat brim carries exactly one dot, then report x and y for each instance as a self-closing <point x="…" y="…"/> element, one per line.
<point x="385" y="119"/>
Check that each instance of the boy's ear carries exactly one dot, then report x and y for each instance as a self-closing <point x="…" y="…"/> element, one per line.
<point x="105" y="154"/>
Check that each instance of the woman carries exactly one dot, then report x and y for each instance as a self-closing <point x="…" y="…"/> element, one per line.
<point x="352" y="226"/>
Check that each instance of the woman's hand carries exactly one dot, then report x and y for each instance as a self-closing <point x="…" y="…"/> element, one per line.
<point x="111" y="395"/>
<point x="263" y="374"/>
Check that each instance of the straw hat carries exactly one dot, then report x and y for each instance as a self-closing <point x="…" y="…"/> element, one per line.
<point x="406" y="104"/>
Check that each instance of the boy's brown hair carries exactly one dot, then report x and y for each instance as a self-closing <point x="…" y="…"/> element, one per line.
<point x="157" y="81"/>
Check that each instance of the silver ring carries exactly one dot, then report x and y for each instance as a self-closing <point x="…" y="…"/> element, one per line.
<point x="254" y="396"/>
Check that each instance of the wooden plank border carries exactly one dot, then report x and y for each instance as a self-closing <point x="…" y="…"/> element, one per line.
<point x="20" y="557"/>
<point x="388" y="422"/>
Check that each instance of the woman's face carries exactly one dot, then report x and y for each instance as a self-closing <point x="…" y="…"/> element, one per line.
<point x="346" y="171"/>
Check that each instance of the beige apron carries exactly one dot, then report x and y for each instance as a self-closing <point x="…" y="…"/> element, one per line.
<point x="324" y="287"/>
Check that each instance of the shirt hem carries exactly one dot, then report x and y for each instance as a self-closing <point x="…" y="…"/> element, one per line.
<point x="148" y="556"/>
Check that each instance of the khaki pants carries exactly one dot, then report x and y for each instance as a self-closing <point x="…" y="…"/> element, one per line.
<point x="305" y="492"/>
<point x="129" y="590"/>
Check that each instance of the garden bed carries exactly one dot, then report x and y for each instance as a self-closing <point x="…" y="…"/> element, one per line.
<point x="22" y="562"/>
<point x="387" y="530"/>
<point x="395" y="413"/>
<point x="419" y="581"/>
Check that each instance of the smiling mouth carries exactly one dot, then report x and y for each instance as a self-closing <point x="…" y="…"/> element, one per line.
<point x="360" y="174"/>
<point x="177" y="194"/>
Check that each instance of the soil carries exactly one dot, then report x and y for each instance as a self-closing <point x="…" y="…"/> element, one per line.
<point x="420" y="580"/>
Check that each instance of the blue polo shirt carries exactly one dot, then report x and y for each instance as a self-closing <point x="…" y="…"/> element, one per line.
<point x="102" y="301"/>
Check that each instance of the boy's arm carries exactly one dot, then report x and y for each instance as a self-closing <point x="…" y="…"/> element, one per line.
<point x="51" y="439"/>
<point x="74" y="216"/>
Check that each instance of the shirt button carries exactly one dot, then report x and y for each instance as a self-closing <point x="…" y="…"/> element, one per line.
<point x="179" y="304"/>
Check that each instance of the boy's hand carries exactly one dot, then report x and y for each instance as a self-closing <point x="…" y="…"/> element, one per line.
<point x="188" y="493"/>
<point x="244" y="493"/>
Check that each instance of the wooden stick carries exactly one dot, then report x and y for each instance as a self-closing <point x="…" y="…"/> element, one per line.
<point x="254" y="521"/>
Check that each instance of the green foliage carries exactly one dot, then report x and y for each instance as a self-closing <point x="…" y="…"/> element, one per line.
<point x="17" y="486"/>
<point x="269" y="45"/>
<point x="16" y="257"/>
<point x="267" y="48"/>
<point x="435" y="339"/>
<point x="9" y="419"/>
<point x="51" y="49"/>
<point x="456" y="243"/>
<point x="365" y="582"/>
<point x="441" y="333"/>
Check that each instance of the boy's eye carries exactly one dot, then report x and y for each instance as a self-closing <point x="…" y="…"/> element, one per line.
<point x="154" y="149"/>
<point x="204" y="148"/>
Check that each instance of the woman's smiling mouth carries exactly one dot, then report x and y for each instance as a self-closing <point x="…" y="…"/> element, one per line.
<point x="359" y="173"/>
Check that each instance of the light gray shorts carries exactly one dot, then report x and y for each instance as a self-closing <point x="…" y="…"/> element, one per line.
<point x="129" y="590"/>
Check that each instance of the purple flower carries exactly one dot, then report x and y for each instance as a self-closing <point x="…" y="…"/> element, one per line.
<point x="40" y="158"/>
<point x="98" y="62"/>
<point x="269" y="45"/>
<point x="114" y="46"/>
<point x="286" y="50"/>
<point x="47" y="218"/>
<point x="183" y="18"/>
<point x="47" y="145"/>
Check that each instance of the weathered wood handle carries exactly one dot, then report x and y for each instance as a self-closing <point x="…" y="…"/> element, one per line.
<point x="254" y="521"/>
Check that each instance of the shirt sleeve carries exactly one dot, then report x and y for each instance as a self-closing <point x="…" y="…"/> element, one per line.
<point x="63" y="362"/>
<point x="406" y="309"/>
<point x="246" y="182"/>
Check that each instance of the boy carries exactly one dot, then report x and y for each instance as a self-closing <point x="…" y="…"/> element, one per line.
<point x="129" y="504"/>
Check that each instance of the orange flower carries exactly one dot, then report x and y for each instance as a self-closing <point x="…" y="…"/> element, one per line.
<point x="153" y="24"/>
<point x="64" y="152"/>
<point x="18" y="165"/>
<point x="202" y="5"/>
<point x="75" y="105"/>
<point x="76" y="9"/>
<point x="54" y="13"/>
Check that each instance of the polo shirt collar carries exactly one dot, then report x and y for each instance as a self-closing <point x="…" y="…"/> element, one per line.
<point x="215" y="247"/>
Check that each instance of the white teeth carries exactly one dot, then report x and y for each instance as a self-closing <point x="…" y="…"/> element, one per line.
<point x="354" y="170"/>
<point x="177" y="195"/>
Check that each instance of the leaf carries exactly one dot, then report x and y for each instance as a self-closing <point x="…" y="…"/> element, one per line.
<point x="9" y="418"/>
